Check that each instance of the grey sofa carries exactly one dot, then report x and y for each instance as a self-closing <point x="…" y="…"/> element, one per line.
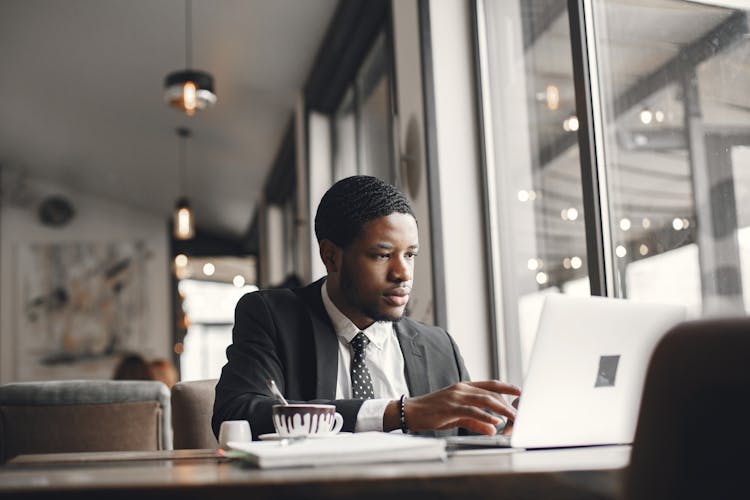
<point x="84" y="415"/>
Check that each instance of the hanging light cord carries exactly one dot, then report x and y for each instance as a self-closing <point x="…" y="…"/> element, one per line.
<point x="184" y="133"/>
<point x="188" y="34"/>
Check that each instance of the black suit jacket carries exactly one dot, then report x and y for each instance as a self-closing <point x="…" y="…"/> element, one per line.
<point x="287" y="335"/>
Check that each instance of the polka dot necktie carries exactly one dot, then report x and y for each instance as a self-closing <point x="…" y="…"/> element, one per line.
<point x="361" y="381"/>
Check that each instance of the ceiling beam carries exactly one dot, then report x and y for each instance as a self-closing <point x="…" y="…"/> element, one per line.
<point x="355" y="25"/>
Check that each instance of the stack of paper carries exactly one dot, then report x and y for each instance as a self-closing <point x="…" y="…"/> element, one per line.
<point x="366" y="447"/>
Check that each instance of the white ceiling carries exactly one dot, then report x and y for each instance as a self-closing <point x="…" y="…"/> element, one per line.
<point x="81" y="96"/>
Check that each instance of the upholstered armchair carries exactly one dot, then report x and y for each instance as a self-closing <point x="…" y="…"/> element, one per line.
<point x="192" y="407"/>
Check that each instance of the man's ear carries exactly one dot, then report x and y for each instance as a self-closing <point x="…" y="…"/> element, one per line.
<point x="330" y="254"/>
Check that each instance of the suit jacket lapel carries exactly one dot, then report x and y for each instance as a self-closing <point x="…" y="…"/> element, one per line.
<point x="326" y="342"/>
<point x="415" y="359"/>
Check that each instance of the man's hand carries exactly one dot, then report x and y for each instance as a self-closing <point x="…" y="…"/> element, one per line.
<point x="508" y="429"/>
<point x="466" y="404"/>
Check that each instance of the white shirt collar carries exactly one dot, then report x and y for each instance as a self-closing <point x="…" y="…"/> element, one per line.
<point x="377" y="332"/>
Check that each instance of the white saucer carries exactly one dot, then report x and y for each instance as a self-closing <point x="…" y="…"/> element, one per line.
<point x="274" y="436"/>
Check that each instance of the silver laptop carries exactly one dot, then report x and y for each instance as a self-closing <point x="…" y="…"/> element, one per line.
<point x="586" y="373"/>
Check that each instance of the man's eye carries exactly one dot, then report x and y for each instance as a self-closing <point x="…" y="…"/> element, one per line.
<point x="382" y="256"/>
<point x="411" y="255"/>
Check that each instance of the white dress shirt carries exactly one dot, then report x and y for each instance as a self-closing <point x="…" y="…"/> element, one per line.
<point x="383" y="358"/>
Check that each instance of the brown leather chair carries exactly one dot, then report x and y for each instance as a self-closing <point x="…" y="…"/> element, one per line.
<point x="192" y="407"/>
<point x="83" y="415"/>
<point x="693" y="433"/>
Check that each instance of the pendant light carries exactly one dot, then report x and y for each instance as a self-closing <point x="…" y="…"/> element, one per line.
<point x="189" y="90"/>
<point x="184" y="222"/>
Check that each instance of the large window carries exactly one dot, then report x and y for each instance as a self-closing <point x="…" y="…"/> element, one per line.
<point x="676" y="123"/>
<point x="670" y="127"/>
<point x="363" y="123"/>
<point x="538" y="203"/>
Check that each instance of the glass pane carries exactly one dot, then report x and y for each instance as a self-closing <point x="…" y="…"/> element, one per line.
<point x="374" y="92"/>
<point x="676" y="110"/>
<point x="345" y="138"/>
<point x="540" y="210"/>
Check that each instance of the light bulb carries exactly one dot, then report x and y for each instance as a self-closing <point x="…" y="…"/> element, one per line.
<point x="184" y="228"/>
<point x="189" y="97"/>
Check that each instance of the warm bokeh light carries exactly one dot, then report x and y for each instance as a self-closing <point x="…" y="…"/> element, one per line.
<point x="553" y="97"/>
<point x="570" y="124"/>
<point x="209" y="269"/>
<point x="181" y="260"/>
<point x="646" y="116"/>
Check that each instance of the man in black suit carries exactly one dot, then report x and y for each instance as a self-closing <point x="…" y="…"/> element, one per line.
<point x="343" y="340"/>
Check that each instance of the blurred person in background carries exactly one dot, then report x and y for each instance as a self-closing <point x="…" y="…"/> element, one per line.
<point x="164" y="371"/>
<point x="132" y="367"/>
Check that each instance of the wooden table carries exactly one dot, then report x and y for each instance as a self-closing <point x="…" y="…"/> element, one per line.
<point x="585" y="473"/>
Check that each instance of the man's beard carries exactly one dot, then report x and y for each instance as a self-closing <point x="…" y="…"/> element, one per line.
<point x="351" y="293"/>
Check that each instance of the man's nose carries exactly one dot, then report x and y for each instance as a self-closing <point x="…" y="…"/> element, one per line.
<point x="401" y="270"/>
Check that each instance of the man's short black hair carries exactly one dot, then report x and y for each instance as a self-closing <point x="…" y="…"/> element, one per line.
<point x="351" y="203"/>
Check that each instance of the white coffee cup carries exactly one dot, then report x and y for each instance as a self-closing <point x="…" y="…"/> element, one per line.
<point x="234" y="430"/>
<point x="297" y="420"/>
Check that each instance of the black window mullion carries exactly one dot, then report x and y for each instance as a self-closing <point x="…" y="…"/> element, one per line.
<point x="592" y="200"/>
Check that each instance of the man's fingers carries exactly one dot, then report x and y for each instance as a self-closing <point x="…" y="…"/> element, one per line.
<point x="496" y="386"/>
<point x="479" y="427"/>
<point x="490" y="401"/>
<point x="508" y="430"/>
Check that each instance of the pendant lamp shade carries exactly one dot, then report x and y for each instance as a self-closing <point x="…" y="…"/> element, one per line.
<point x="189" y="90"/>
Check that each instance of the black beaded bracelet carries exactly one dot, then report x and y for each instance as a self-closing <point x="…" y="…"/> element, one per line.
<point x="402" y="414"/>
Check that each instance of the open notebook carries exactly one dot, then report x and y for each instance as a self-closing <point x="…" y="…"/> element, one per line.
<point x="365" y="447"/>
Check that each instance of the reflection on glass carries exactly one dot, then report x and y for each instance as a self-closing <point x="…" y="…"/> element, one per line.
<point x="676" y="120"/>
<point x="536" y="164"/>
